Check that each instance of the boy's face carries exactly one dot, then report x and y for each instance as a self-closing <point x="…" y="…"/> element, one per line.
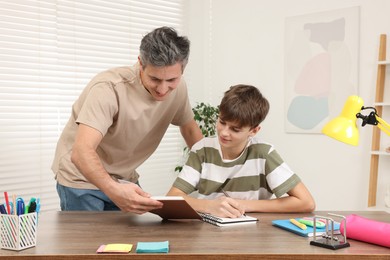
<point x="233" y="137"/>
<point x="161" y="81"/>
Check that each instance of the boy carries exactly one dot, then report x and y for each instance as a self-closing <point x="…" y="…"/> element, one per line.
<point x="238" y="164"/>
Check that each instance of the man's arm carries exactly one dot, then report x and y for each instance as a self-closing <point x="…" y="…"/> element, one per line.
<point x="128" y="197"/>
<point x="299" y="200"/>
<point x="191" y="133"/>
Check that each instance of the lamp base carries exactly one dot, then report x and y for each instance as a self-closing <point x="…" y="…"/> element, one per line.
<point x="329" y="244"/>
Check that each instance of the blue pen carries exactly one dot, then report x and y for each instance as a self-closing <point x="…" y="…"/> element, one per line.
<point x="38" y="205"/>
<point x="11" y="206"/>
<point x="19" y="206"/>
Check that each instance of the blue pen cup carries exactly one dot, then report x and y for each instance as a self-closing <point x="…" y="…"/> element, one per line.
<point x="18" y="232"/>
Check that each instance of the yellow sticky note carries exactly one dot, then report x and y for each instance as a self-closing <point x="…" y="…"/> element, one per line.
<point x="115" y="248"/>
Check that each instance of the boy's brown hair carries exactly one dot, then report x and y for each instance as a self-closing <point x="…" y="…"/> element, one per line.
<point x="244" y="105"/>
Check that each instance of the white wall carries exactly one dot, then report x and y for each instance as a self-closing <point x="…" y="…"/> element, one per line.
<point x="243" y="42"/>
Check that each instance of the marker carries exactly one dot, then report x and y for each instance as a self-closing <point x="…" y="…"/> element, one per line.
<point x="298" y="224"/>
<point x="310" y="223"/>
<point x="7" y="202"/>
<point x="31" y="206"/>
<point x="2" y="209"/>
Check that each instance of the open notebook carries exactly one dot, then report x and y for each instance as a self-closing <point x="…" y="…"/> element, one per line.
<point x="222" y="222"/>
<point x="176" y="207"/>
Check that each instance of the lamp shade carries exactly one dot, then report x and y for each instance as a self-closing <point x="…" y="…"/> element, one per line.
<point x="343" y="128"/>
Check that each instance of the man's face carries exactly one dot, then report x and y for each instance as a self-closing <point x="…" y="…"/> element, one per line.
<point x="161" y="81"/>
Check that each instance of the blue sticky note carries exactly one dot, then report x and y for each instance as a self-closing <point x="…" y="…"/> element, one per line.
<point x="153" y="247"/>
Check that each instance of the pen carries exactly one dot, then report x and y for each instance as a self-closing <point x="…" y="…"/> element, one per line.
<point x="298" y="224"/>
<point x="19" y="206"/>
<point x="11" y="206"/>
<point x="227" y="195"/>
<point x="38" y="207"/>
<point x="14" y="202"/>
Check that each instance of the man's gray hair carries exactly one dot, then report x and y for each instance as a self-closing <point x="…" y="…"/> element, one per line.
<point x="163" y="47"/>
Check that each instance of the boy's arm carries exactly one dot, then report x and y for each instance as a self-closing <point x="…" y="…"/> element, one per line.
<point x="299" y="200"/>
<point x="222" y="206"/>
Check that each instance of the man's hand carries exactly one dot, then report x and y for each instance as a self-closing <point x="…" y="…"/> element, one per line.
<point x="130" y="197"/>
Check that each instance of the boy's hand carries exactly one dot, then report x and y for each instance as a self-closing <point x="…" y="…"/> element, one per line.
<point x="226" y="207"/>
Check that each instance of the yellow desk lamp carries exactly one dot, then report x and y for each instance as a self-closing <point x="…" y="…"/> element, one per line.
<point x="343" y="128"/>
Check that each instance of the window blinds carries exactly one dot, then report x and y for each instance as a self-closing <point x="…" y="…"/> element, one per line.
<point x="49" y="50"/>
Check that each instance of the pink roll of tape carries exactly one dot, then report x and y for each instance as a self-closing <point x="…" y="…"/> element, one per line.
<point x="367" y="230"/>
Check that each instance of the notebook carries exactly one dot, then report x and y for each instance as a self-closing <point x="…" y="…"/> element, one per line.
<point x="222" y="222"/>
<point x="175" y="207"/>
<point x="308" y="232"/>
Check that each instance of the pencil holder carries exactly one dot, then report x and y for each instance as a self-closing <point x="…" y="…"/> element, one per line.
<point x="18" y="232"/>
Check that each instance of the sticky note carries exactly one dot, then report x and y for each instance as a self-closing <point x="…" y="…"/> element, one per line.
<point x="115" y="248"/>
<point x="153" y="247"/>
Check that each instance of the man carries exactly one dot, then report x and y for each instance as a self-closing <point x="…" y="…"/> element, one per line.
<point x="117" y="123"/>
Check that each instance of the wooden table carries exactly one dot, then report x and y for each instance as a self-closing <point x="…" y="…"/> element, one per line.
<point x="77" y="235"/>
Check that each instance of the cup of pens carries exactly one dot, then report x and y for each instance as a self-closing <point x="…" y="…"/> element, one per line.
<point x="18" y="224"/>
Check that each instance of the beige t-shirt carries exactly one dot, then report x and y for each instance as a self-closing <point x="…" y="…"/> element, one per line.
<point x="132" y="124"/>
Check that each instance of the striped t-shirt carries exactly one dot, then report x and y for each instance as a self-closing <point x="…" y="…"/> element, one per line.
<point x="258" y="173"/>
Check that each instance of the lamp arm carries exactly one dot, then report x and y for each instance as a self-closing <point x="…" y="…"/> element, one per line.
<point x="383" y="125"/>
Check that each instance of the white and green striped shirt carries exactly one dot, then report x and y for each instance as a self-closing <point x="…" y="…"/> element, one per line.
<point x="258" y="173"/>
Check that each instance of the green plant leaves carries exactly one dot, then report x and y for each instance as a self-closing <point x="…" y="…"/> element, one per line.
<point x="206" y="116"/>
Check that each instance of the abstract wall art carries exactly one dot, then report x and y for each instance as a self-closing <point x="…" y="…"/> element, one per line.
<point x="321" y="67"/>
